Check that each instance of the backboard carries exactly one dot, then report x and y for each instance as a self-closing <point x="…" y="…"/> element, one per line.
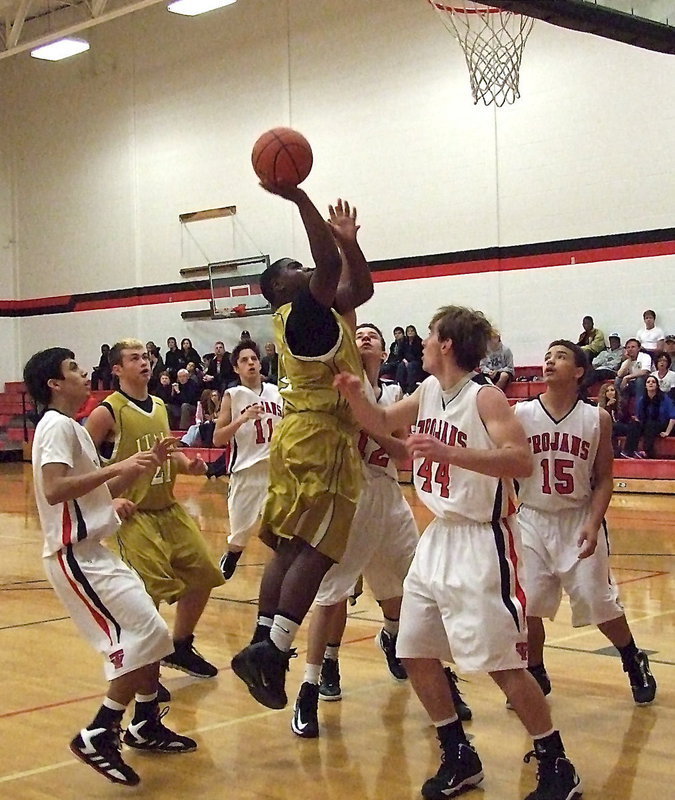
<point x="649" y="24"/>
<point x="235" y="288"/>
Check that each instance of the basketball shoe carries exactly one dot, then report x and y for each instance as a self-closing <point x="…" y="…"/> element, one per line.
<point x="150" y="734"/>
<point x="186" y="658"/>
<point x="460" y="769"/>
<point x="228" y="563"/>
<point x="262" y="667"/>
<point x="305" y="722"/>
<point x="556" y="778"/>
<point x="329" y="684"/>
<point x="463" y="710"/>
<point x="100" y="749"/>
<point x="388" y="644"/>
<point x="642" y="681"/>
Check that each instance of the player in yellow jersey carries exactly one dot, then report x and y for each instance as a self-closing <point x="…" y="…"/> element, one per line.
<point x="161" y="541"/>
<point x="315" y="470"/>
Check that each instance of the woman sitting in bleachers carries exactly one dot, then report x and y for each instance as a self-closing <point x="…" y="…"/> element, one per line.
<point x="655" y="417"/>
<point x="201" y="433"/>
<point x="617" y="410"/>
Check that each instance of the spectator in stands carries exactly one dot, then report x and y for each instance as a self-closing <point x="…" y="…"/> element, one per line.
<point x="163" y="389"/>
<point x="101" y="376"/>
<point x="498" y="362"/>
<point x="409" y="372"/>
<point x="664" y="375"/>
<point x="655" y="417"/>
<point x="592" y="339"/>
<point x="630" y="379"/>
<point x="219" y="373"/>
<point x="669" y="347"/>
<point x="390" y="366"/>
<point x="156" y="365"/>
<point x="611" y="402"/>
<point x="269" y="364"/>
<point x="188" y="354"/>
<point x="172" y="357"/>
<point x="605" y="365"/>
<point x="184" y="398"/>
<point x="651" y="338"/>
<point x="201" y="433"/>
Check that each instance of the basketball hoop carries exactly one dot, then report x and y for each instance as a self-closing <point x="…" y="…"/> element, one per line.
<point x="493" y="42"/>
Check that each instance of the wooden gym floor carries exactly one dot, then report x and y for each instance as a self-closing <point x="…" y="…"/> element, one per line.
<point x="376" y="743"/>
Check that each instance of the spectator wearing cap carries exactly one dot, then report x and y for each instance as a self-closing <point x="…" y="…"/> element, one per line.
<point x="630" y="379"/>
<point x="592" y="339"/>
<point x="605" y="365"/>
<point x="650" y="337"/>
<point x="669" y="347"/>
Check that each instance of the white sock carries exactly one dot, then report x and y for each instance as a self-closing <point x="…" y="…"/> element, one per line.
<point x="265" y="622"/>
<point x="312" y="673"/>
<point x="447" y="721"/>
<point x="543" y="735"/>
<point x="283" y="632"/>
<point x="391" y="626"/>
<point x="332" y="652"/>
<point x="146" y="698"/>
<point x="112" y="704"/>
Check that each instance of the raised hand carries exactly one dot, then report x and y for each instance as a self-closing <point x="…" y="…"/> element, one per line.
<point x="196" y="466"/>
<point x="286" y="190"/>
<point x="138" y="464"/>
<point x="163" y="448"/>
<point x="253" y="412"/>
<point x="342" y="221"/>
<point x="349" y="386"/>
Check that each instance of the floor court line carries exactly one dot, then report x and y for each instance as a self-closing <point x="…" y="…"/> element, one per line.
<point x="589" y="629"/>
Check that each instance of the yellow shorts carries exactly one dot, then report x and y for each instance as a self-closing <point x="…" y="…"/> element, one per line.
<point x="168" y="551"/>
<point x="315" y="482"/>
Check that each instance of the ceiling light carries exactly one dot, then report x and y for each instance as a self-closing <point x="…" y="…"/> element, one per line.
<point x="61" y="48"/>
<point x="190" y="8"/>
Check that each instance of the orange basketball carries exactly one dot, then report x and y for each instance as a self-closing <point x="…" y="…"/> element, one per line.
<point x="282" y="155"/>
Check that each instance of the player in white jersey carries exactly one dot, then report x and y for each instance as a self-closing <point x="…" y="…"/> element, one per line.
<point x="380" y="547"/>
<point x="247" y="418"/>
<point x="565" y="541"/>
<point x="462" y="598"/>
<point x="106" y="600"/>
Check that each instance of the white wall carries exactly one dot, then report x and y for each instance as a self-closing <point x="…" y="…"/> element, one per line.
<point x="159" y="118"/>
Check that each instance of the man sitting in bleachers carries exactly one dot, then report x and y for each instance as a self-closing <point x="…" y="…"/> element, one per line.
<point x="498" y="362"/>
<point x="630" y="379"/>
<point x="592" y="339"/>
<point x="605" y="365"/>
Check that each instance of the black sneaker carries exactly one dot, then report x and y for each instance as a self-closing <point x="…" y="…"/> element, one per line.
<point x="228" y="563"/>
<point x="100" y="749"/>
<point x="556" y="778"/>
<point x="642" y="681"/>
<point x="262" y="667"/>
<point x="457" y="774"/>
<point x="463" y="710"/>
<point x="187" y="659"/>
<point x="151" y="735"/>
<point x="163" y="694"/>
<point x="541" y="677"/>
<point x="388" y="644"/>
<point x="305" y="722"/>
<point x="329" y="684"/>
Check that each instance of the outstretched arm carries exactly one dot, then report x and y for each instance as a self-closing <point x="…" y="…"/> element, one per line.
<point x="356" y="284"/>
<point x="324" y="281"/>
<point x="376" y="419"/>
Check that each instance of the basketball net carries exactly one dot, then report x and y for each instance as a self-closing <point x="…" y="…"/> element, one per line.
<point x="493" y="42"/>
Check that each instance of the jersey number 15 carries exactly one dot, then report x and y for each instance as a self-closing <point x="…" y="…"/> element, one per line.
<point x="563" y="476"/>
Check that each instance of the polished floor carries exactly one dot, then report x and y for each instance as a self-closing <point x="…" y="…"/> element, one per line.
<point x="376" y="743"/>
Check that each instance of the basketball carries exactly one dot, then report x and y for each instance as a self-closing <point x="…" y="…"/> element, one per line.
<point x="282" y="155"/>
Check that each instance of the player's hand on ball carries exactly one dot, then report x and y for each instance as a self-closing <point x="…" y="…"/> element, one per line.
<point x="196" y="466"/>
<point x="348" y="385"/>
<point x="587" y="541"/>
<point x="422" y="445"/>
<point x="286" y="190"/>
<point x="342" y="220"/>
<point x="124" y="508"/>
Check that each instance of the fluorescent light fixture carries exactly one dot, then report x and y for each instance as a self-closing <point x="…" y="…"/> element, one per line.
<point x="190" y="8"/>
<point x="61" y="48"/>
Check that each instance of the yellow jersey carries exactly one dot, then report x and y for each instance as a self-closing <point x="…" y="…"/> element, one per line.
<point x="306" y="382"/>
<point x="137" y="430"/>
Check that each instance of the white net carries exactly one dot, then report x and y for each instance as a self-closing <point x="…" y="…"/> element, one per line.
<point x="493" y="42"/>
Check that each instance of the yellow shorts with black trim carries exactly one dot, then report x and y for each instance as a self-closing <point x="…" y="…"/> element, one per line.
<point x="316" y="476"/>
<point x="168" y="551"/>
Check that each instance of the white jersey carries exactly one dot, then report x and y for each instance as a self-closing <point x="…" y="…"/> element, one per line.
<point x="61" y="440"/>
<point x="564" y="455"/>
<point x="376" y="460"/>
<point x="450" y="491"/>
<point x="251" y="443"/>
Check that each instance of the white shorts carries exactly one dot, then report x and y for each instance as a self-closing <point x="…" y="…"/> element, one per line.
<point x="550" y="555"/>
<point x="108" y="603"/>
<point x="381" y="545"/>
<point x="246" y="498"/>
<point x="462" y="598"/>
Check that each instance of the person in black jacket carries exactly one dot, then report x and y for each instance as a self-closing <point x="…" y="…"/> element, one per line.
<point x="390" y="366"/>
<point x="409" y="371"/>
<point x="101" y="376"/>
<point x="184" y="398"/>
<point x="188" y="354"/>
<point x="219" y="373"/>
<point x="172" y="357"/>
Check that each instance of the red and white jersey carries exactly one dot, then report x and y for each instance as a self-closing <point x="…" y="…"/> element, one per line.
<point x="376" y="460"/>
<point x="449" y="491"/>
<point x="564" y="455"/>
<point x="61" y="440"/>
<point x="251" y="443"/>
